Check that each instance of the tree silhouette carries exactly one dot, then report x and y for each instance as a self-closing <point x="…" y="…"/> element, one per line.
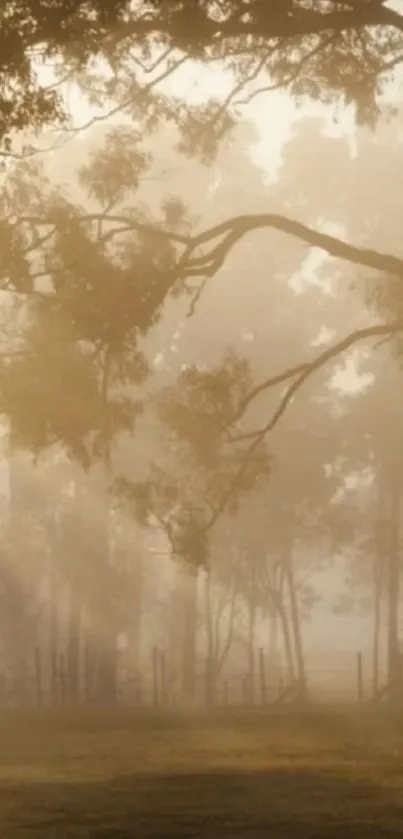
<point x="331" y="51"/>
<point x="85" y="288"/>
<point x="327" y="50"/>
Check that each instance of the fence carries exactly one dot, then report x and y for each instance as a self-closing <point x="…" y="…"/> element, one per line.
<point x="26" y="686"/>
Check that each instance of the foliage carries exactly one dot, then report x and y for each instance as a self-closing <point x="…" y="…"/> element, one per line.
<point x="327" y="50"/>
<point x="202" y="474"/>
<point x="85" y="289"/>
<point x="32" y="30"/>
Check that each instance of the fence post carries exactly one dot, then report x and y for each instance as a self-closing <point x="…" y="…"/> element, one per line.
<point x="262" y="675"/>
<point x="87" y="672"/>
<point x="400" y="674"/>
<point x="360" y="690"/>
<point x="38" y="676"/>
<point x="155" y="675"/>
<point x="62" y="679"/>
<point x="163" y="677"/>
<point x="23" y="684"/>
<point x="138" y="689"/>
<point x="246" y="689"/>
<point x="54" y="678"/>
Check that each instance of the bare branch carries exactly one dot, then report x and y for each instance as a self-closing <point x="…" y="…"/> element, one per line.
<point x="231" y="231"/>
<point x="126" y="222"/>
<point x="300" y="374"/>
<point x="122" y="106"/>
<point x="301" y="21"/>
<point x="308" y="367"/>
<point x="322" y="44"/>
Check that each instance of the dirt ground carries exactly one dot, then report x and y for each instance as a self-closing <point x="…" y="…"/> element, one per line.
<point x="278" y="774"/>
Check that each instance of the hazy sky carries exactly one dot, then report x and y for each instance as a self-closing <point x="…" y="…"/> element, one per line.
<point x="272" y="113"/>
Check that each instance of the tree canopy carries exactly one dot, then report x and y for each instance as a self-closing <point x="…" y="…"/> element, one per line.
<point x="330" y="50"/>
<point x="339" y="52"/>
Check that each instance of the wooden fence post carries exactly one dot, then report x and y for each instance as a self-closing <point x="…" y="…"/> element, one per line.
<point x="262" y="676"/>
<point x="138" y="689"/>
<point x="246" y="689"/>
<point x="23" y="684"/>
<point x="62" y="679"/>
<point x="155" y="676"/>
<point x="360" y="690"/>
<point x="163" y="677"/>
<point x="87" y="672"/>
<point x="54" y="678"/>
<point x="38" y="676"/>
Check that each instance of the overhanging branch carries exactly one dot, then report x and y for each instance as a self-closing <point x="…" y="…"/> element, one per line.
<point x="269" y="24"/>
<point x="309" y="367"/>
<point x="232" y="231"/>
<point x="299" y="374"/>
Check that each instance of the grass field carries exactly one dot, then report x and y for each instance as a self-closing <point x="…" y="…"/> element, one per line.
<point x="280" y="774"/>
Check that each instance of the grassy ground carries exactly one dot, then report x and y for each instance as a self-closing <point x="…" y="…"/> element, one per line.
<point x="283" y="774"/>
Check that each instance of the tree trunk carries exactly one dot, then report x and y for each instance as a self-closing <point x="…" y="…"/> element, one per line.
<point x="296" y="623"/>
<point x="281" y="622"/>
<point x="393" y="595"/>
<point x="135" y="628"/>
<point x="376" y="633"/>
<point x="89" y="663"/>
<point x="273" y="634"/>
<point x="288" y="653"/>
<point x="273" y="669"/>
<point x="102" y="605"/>
<point x="73" y="645"/>
<point x="53" y="615"/>
<point x="175" y="635"/>
<point x="211" y="651"/>
<point x="190" y="580"/>
<point x="378" y="582"/>
<point x="108" y="671"/>
<point x="252" y="647"/>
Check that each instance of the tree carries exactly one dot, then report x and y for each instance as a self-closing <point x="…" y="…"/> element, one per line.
<point x="297" y="47"/>
<point x="184" y="493"/>
<point x="365" y="35"/>
<point x="327" y="50"/>
<point x="354" y="315"/>
<point x="79" y="329"/>
<point x="73" y="351"/>
<point x="370" y="440"/>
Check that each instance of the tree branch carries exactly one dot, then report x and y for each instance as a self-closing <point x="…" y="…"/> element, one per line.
<point x="126" y="224"/>
<point x="309" y="367"/>
<point x="273" y="24"/>
<point x="233" y="230"/>
<point x="300" y="374"/>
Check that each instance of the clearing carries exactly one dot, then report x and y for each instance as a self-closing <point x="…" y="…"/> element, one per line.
<point x="281" y="774"/>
